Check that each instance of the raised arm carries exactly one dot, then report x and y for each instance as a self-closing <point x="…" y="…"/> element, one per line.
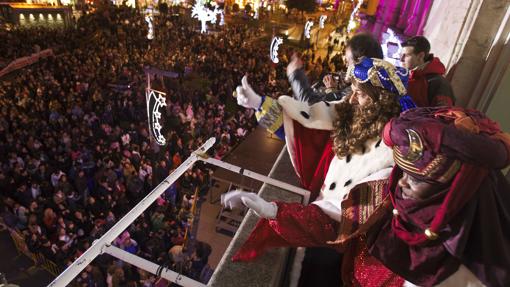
<point x="268" y="111"/>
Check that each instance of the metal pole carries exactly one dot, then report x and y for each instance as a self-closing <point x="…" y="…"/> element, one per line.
<point x="303" y="192"/>
<point x="151" y="267"/>
<point x="97" y="247"/>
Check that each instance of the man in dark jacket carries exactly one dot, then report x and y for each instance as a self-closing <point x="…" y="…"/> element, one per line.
<point x="427" y="85"/>
<point x="359" y="46"/>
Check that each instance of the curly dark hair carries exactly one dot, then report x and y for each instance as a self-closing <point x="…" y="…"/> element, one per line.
<point x="365" y="45"/>
<point x="354" y="125"/>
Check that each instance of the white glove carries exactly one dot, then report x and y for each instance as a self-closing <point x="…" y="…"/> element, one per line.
<point x="246" y="97"/>
<point x="261" y="207"/>
<point x="232" y="199"/>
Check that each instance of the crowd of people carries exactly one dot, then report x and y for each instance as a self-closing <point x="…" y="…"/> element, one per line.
<point x="75" y="150"/>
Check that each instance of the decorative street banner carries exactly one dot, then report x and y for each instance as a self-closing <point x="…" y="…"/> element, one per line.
<point x="155" y="101"/>
<point x="273" y="49"/>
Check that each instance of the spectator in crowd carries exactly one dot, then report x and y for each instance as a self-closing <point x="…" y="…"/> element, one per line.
<point x="427" y="84"/>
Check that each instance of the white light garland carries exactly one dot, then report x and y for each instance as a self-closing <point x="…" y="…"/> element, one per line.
<point x="273" y="49"/>
<point x="149" y="18"/>
<point x="322" y="19"/>
<point x="155" y="100"/>
<point x="150" y="32"/>
<point x="352" y="19"/>
<point x="222" y="18"/>
<point x="308" y="27"/>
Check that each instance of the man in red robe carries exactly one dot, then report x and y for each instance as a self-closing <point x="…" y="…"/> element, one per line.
<point x="450" y="203"/>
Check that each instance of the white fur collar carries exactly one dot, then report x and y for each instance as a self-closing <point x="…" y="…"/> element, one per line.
<point x="318" y="116"/>
<point x="345" y="173"/>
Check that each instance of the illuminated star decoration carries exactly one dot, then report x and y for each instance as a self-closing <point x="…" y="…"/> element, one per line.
<point x="322" y="19"/>
<point x="352" y="20"/>
<point x="273" y="49"/>
<point x="308" y="27"/>
<point x="150" y="33"/>
<point x="391" y="39"/>
<point x="155" y="100"/>
<point x="203" y="15"/>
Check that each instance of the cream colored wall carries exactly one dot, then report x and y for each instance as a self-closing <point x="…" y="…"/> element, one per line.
<point x="446" y="21"/>
<point x="462" y="34"/>
<point x="499" y="108"/>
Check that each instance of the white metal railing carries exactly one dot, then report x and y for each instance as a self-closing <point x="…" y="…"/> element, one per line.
<point x="283" y="185"/>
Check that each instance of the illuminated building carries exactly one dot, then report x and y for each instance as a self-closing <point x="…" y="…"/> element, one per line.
<point x="35" y="14"/>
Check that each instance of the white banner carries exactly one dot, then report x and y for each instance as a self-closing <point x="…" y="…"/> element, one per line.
<point x="25" y="61"/>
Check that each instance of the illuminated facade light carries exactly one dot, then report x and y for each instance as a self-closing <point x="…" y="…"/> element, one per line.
<point x="31" y="17"/>
<point x="21" y="17"/>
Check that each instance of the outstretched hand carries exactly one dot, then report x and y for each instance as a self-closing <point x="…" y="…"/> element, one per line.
<point x="237" y="198"/>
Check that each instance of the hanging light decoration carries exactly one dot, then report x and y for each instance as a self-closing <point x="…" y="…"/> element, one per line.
<point x="150" y="32"/>
<point x="155" y="101"/>
<point x="308" y="27"/>
<point x="354" y="19"/>
<point x="273" y="49"/>
<point x="322" y="19"/>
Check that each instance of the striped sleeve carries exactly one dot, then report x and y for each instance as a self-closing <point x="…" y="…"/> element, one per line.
<point x="270" y="116"/>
